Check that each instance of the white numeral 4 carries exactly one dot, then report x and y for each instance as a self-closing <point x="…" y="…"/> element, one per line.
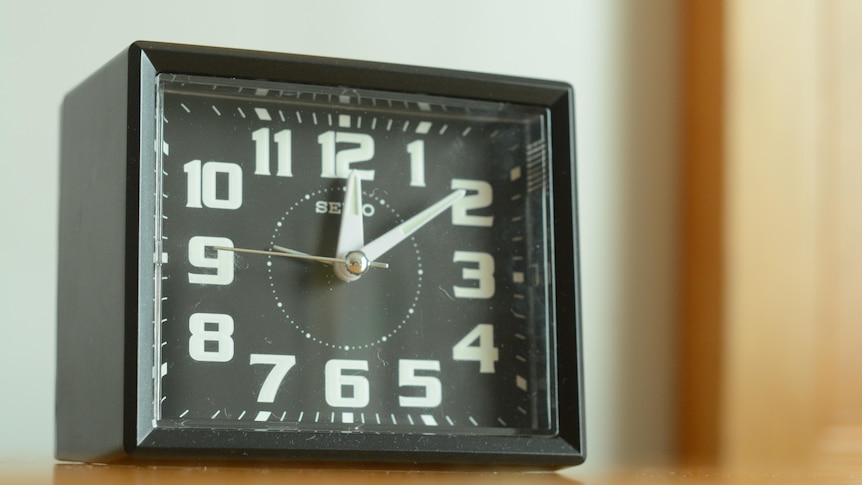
<point x="483" y="352"/>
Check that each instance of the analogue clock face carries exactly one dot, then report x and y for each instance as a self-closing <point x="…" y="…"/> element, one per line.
<point x="350" y="260"/>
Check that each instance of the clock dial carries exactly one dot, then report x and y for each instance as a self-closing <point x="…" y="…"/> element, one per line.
<point x="455" y="336"/>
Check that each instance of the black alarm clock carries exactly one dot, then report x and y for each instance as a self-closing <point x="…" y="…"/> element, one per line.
<point x="271" y="256"/>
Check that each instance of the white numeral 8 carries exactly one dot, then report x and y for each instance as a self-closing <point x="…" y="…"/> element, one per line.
<point x="219" y="335"/>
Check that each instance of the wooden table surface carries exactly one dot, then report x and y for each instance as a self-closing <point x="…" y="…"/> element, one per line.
<point x="82" y="474"/>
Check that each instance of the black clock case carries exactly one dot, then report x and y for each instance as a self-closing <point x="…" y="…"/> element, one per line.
<point x="104" y="387"/>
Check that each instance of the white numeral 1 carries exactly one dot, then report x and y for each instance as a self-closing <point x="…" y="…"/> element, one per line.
<point x="416" y="150"/>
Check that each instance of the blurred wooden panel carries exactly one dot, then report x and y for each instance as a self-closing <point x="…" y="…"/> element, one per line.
<point x="772" y="230"/>
<point x="839" y="437"/>
<point x="702" y="230"/>
<point x="793" y="372"/>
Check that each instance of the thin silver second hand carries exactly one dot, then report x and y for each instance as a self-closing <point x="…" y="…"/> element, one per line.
<point x="289" y="253"/>
<point x="322" y="259"/>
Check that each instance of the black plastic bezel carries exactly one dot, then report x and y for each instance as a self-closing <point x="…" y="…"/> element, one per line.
<point x="141" y="439"/>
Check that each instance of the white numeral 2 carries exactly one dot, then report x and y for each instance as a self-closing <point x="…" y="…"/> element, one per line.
<point x="480" y="195"/>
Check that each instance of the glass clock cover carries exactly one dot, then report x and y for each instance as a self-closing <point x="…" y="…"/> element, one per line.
<point x="453" y="337"/>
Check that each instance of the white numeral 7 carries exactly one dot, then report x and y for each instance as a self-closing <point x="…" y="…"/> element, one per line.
<point x="280" y="365"/>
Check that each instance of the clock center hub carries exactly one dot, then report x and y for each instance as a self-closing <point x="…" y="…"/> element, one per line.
<point x="356" y="262"/>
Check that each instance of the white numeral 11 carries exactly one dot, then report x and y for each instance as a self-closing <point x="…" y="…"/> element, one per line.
<point x="283" y="152"/>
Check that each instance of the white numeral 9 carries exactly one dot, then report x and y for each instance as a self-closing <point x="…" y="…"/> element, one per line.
<point x="219" y="335"/>
<point x="222" y="262"/>
<point x="336" y="380"/>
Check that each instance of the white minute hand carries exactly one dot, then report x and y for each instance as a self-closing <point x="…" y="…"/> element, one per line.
<point x="390" y="239"/>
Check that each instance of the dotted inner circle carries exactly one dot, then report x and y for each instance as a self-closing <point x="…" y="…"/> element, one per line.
<point x="308" y="335"/>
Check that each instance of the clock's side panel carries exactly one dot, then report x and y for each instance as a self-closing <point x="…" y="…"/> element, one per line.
<point x="93" y="266"/>
<point x="568" y="310"/>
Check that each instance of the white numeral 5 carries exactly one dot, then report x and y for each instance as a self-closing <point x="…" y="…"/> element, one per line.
<point x="407" y="377"/>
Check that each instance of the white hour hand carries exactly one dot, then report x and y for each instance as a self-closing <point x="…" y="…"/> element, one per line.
<point x="390" y="239"/>
<point x="350" y="233"/>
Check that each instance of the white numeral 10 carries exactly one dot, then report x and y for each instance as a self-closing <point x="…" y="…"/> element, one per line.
<point x="202" y="181"/>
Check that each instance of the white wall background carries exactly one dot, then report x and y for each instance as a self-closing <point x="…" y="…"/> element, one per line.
<point x="619" y="55"/>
